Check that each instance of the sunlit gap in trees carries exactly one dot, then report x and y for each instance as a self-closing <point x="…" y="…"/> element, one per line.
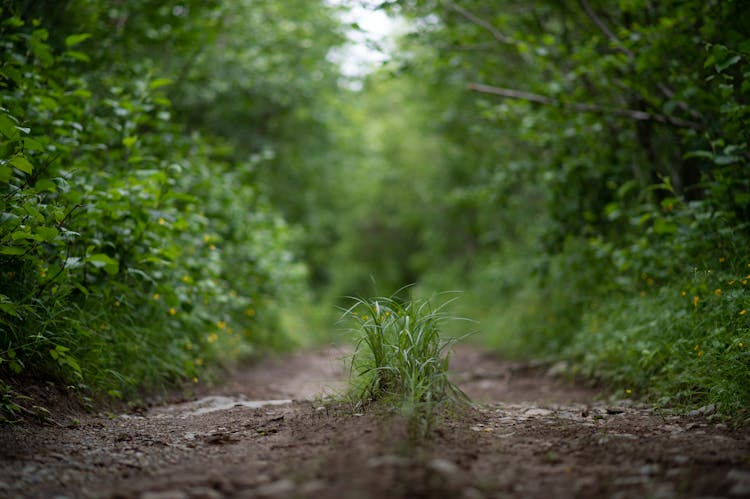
<point x="371" y="33"/>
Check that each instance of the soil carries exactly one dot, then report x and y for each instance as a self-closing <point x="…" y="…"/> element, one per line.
<point x="266" y="433"/>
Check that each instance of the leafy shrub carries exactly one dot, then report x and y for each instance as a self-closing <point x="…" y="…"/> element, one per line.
<point x="132" y="252"/>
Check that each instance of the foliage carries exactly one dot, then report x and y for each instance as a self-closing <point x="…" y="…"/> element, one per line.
<point x="589" y="153"/>
<point x="135" y="248"/>
<point x="400" y="355"/>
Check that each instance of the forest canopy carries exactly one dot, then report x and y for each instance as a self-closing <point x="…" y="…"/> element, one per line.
<point x="188" y="183"/>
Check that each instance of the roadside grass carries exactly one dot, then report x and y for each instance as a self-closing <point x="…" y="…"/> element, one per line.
<point x="684" y="345"/>
<point x="401" y="358"/>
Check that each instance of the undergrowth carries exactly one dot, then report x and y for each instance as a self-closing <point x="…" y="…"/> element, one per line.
<point x="401" y="358"/>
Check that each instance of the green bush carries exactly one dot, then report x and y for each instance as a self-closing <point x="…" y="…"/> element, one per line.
<point x="132" y="251"/>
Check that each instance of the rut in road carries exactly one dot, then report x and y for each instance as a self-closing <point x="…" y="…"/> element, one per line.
<point x="265" y="433"/>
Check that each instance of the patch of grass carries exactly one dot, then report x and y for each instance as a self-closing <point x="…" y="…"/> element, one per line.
<point x="401" y="357"/>
<point x="682" y="346"/>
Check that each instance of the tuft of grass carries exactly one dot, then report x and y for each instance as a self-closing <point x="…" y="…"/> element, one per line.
<point x="400" y="356"/>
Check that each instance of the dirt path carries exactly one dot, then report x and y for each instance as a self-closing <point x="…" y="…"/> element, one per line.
<point x="264" y="435"/>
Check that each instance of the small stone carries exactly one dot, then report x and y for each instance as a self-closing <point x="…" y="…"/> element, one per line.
<point x="377" y="461"/>
<point x="650" y="469"/>
<point x="281" y="487"/>
<point x="471" y="493"/>
<point x="740" y="489"/>
<point x="736" y="475"/>
<point x="204" y="493"/>
<point x="535" y="411"/>
<point x="443" y="466"/>
<point x="680" y="459"/>
<point x="558" y="369"/>
<point x="311" y="487"/>
<point x="741" y="479"/>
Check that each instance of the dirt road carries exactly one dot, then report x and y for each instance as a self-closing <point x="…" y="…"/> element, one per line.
<point x="264" y="434"/>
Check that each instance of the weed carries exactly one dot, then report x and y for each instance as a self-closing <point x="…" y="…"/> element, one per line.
<point x="401" y="358"/>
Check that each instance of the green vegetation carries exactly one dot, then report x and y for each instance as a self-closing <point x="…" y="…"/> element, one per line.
<point x="138" y="244"/>
<point x="399" y="352"/>
<point x="185" y="183"/>
<point x="590" y="183"/>
<point x="401" y="358"/>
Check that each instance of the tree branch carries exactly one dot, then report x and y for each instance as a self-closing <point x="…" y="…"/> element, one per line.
<point x="483" y="24"/>
<point x="604" y="29"/>
<point x="584" y="107"/>
<point x="664" y="89"/>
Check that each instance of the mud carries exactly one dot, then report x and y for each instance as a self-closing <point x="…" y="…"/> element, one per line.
<point x="266" y="433"/>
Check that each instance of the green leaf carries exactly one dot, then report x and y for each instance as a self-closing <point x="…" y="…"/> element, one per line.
<point x="73" y="40"/>
<point x="727" y="63"/>
<point x="45" y="185"/>
<point x="8" y="127"/>
<point x="102" y="261"/>
<point x="14" y="22"/>
<point x="129" y="141"/>
<point x="46" y="233"/>
<point x="12" y="250"/>
<point x="22" y="164"/>
<point x="9" y="309"/>
<point x="662" y="226"/>
<point x="5" y="173"/>
<point x="160" y="82"/>
<point x="32" y="144"/>
<point x="21" y="235"/>
<point x="78" y="56"/>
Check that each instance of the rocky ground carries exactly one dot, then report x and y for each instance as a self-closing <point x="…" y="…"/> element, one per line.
<point x="266" y="433"/>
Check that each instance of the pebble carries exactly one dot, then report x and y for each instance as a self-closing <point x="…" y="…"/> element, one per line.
<point x="443" y="466"/>
<point x="281" y="487"/>
<point x="741" y="483"/>
<point x="389" y="460"/>
<point x="204" y="493"/>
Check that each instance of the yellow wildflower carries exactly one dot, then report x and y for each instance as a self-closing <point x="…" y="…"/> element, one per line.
<point x="186" y="279"/>
<point x="172" y="311"/>
<point x="700" y="354"/>
<point x="206" y="238"/>
<point x="722" y="260"/>
<point x="743" y="311"/>
<point x="212" y="337"/>
<point x="162" y="221"/>
<point x="195" y="380"/>
<point x="683" y="293"/>
<point x="212" y="247"/>
<point x="628" y="391"/>
<point x="696" y="347"/>
<point x="156" y="296"/>
<point x="696" y="299"/>
<point x="740" y="344"/>
<point x="250" y="312"/>
<point x="221" y="325"/>
<point x="717" y="292"/>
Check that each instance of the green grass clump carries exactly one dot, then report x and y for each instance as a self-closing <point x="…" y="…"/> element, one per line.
<point x="400" y="356"/>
